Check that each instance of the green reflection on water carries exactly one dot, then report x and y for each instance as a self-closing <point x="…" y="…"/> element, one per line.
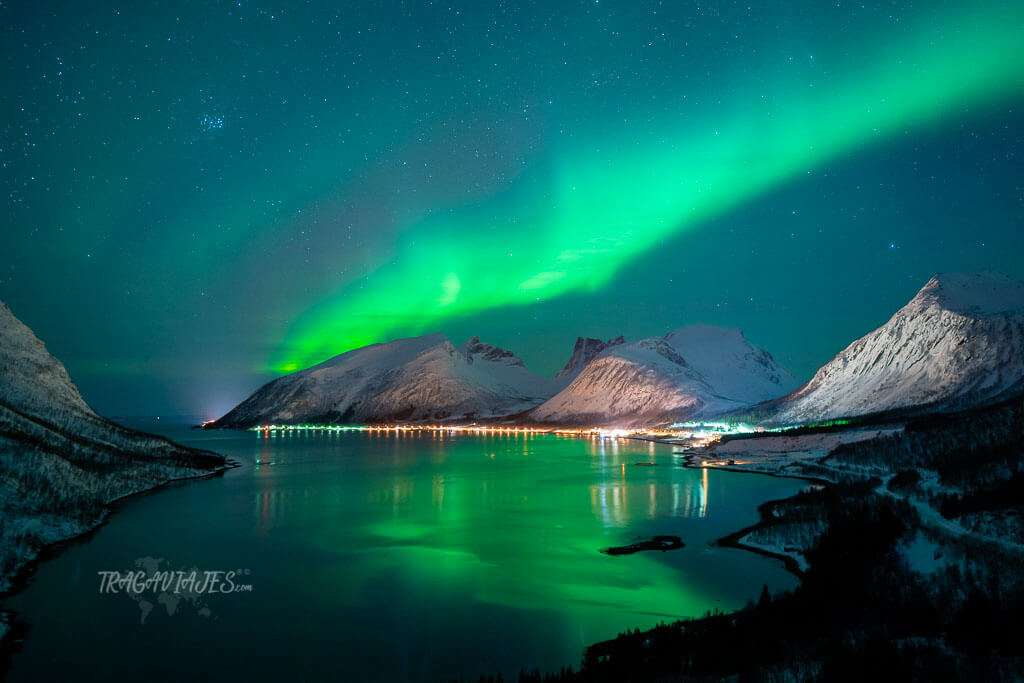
<point x="409" y="557"/>
<point x="515" y="520"/>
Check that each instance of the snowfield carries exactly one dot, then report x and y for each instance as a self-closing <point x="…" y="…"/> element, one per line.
<point x="787" y="455"/>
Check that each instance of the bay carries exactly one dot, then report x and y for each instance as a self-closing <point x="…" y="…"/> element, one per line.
<point x="421" y="556"/>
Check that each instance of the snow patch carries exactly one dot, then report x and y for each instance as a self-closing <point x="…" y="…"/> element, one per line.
<point x="922" y="554"/>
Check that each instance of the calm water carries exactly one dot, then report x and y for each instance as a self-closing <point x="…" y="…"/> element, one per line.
<point x="398" y="558"/>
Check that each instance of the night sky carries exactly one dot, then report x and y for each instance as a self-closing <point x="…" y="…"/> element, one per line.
<point x="202" y="195"/>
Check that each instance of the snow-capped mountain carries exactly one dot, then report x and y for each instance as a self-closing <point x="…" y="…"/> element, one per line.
<point x="693" y="371"/>
<point x="738" y="370"/>
<point x="958" y="343"/>
<point x="421" y="378"/>
<point x="583" y="352"/>
<point x="60" y="462"/>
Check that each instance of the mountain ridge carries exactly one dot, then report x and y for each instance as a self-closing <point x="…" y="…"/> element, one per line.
<point x="584" y="351"/>
<point x="415" y="379"/>
<point x="958" y="343"/>
<point x="694" y="371"/>
<point x="955" y="344"/>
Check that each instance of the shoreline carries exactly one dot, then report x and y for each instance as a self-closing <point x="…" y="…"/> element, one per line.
<point x="733" y="540"/>
<point x="764" y="509"/>
<point x="14" y="632"/>
<point x="12" y="639"/>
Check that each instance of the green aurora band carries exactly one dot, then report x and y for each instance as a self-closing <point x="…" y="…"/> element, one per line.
<point x="571" y="226"/>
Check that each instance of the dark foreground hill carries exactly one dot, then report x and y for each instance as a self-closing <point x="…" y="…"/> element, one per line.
<point x="60" y="462"/>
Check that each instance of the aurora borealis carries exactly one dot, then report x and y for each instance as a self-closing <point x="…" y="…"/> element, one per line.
<point x="204" y="195"/>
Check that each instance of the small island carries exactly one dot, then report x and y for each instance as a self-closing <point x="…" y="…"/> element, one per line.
<point x="661" y="543"/>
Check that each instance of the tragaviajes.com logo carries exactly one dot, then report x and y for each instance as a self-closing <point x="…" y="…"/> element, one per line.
<point x="154" y="582"/>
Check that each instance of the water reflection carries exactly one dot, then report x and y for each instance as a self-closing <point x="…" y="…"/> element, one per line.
<point x="437" y="492"/>
<point x="617" y="503"/>
<point x="624" y="492"/>
<point x="704" y="491"/>
<point x="266" y="497"/>
<point x="371" y="548"/>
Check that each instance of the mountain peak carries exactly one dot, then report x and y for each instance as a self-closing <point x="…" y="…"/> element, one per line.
<point x="959" y="343"/>
<point x="422" y="378"/>
<point x="583" y="352"/>
<point x="697" y="371"/>
<point x="983" y="293"/>
<point x="640" y="382"/>
<point x="31" y="380"/>
<point x="408" y="348"/>
<point x="473" y="347"/>
<point x="737" y="369"/>
<point x="706" y="334"/>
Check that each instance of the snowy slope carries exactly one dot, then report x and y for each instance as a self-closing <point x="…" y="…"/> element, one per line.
<point x="642" y="381"/>
<point x="655" y="380"/>
<point x="421" y="378"/>
<point x="957" y="344"/>
<point x="738" y="370"/>
<point x="60" y="462"/>
<point x="583" y="352"/>
<point x="31" y="380"/>
<point x="38" y="397"/>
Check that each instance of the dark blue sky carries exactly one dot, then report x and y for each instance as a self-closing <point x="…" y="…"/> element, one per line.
<point x="199" y="194"/>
